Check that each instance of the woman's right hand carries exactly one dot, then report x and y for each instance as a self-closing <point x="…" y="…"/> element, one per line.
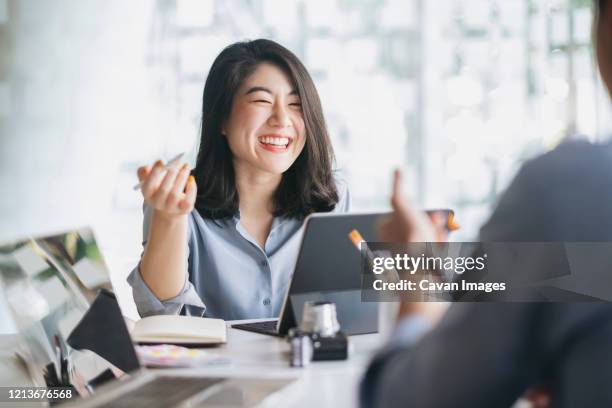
<point x="406" y="224"/>
<point x="170" y="191"/>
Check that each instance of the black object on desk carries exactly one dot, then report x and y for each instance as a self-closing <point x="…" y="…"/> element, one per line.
<point x="103" y="331"/>
<point x="329" y="348"/>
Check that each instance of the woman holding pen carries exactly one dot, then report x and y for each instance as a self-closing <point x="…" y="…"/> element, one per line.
<point x="221" y="240"/>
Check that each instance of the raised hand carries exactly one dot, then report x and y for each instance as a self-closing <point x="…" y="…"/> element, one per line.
<point x="406" y="224"/>
<point x="170" y="190"/>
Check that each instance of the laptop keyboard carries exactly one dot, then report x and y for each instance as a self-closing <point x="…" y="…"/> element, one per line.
<point x="265" y="327"/>
<point x="163" y="392"/>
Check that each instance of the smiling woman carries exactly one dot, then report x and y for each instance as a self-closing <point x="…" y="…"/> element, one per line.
<point x="255" y="106"/>
<point x="258" y="90"/>
<point x="223" y="242"/>
<point x="265" y="128"/>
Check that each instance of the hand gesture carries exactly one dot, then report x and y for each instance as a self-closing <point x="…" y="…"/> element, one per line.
<point x="170" y="190"/>
<point x="406" y="224"/>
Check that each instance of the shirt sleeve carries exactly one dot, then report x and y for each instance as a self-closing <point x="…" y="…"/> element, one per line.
<point x="146" y="302"/>
<point x="408" y="331"/>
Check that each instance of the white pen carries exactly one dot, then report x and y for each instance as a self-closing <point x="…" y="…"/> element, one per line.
<point x="170" y="163"/>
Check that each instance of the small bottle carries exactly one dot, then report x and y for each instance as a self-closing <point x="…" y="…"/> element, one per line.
<point x="301" y="348"/>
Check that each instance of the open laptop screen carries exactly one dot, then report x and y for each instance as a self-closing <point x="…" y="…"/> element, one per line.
<point x="49" y="284"/>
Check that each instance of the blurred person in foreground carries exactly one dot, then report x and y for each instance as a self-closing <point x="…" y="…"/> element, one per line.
<point x="491" y="354"/>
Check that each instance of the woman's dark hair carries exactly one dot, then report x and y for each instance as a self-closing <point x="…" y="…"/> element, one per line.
<point x="600" y="7"/>
<point x="308" y="185"/>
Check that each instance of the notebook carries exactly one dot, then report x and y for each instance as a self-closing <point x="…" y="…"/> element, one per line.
<point x="183" y="330"/>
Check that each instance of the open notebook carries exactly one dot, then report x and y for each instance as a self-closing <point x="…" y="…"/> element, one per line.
<point x="183" y="330"/>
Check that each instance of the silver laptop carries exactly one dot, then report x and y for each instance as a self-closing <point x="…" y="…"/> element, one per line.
<point x="50" y="284"/>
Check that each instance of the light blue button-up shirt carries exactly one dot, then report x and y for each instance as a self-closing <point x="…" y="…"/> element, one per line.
<point x="228" y="275"/>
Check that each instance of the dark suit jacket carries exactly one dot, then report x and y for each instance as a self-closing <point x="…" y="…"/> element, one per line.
<point x="489" y="354"/>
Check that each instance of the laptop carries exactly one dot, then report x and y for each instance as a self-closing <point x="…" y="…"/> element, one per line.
<point x="52" y="285"/>
<point x="328" y="268"/>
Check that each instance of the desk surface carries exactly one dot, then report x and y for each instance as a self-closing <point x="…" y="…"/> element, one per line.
<point x="322" y="384"/>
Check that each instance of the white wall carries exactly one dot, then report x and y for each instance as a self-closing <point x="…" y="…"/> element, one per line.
<point x="77" y="105"/>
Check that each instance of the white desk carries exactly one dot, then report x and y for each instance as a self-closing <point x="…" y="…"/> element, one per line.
<point x="321" y="384"/>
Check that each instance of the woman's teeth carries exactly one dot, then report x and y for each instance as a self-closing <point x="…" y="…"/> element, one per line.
<point x="275" y="141"/>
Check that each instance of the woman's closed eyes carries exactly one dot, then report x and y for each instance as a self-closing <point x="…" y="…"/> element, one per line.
<point x="265" y="101"/>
